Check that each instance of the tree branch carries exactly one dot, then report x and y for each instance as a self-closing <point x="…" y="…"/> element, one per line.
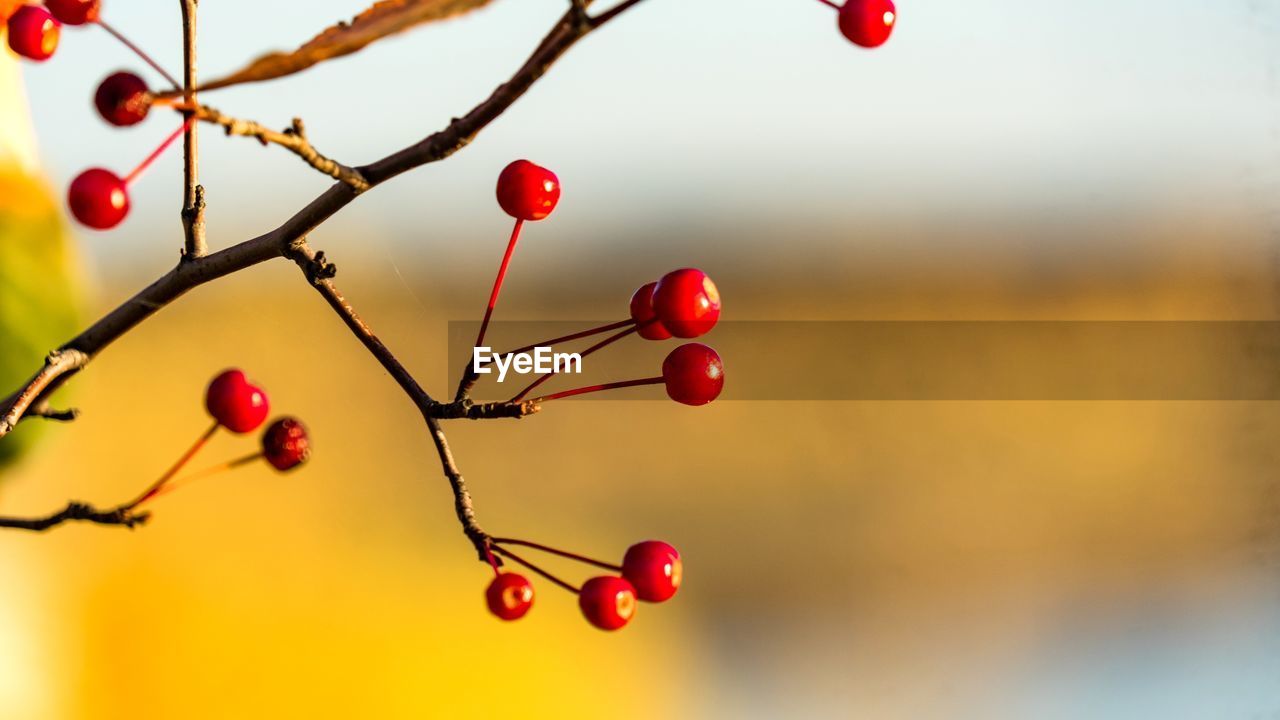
<point x="75" y="511"/>
<point x="293" y="139"/>
<point x="193" y="195"/>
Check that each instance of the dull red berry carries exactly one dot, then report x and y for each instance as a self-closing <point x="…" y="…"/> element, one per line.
<point x="236" y="404"/>
<point x="74" y="12"/>
<point x="608" y="602"/>
<point x="509" y="596"/>
<point x="527" y="191"/>
<point x="285" y="444"/>
<point x="648" y="326"/>
<point x="693" y="374"/>
<point x="687" y="302"/>
<point x="98" y="198"/>
<point x="33" y="32"/>
<point x="867" y="22"/>
<point x="122" y="99"/>
<point x="653" y="568"/>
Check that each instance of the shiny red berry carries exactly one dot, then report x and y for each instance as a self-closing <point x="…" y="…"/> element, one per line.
<point x="648" y="326"/>
<point x="33" y="32"/>
<point x="74" y="12"/>
<point x="868" y="22"/>
<point x="98" y="198"/>
<point x="693" y="374"/>
<point x="687" y="302"/>
<point x="653" y="568"/>
<point x="509" y="596"/>
<point x="236" y="404"/>
<point x="285" y="444"/>
<point x="527" y="191"/>
<point x="608" y="602"/>
<point x="122" y="99"/>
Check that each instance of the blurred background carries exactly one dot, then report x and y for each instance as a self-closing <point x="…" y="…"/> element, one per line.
<point x="993" y="161"/>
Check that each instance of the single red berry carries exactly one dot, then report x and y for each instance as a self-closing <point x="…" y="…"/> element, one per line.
<point x="509" y="596"/>
<point x="33" y="32"/>
<point x="687" y="302"/>
<point x="868" y="22"/>
<point x="653" y="568"/>
<point x="608" y="602"/>
<point x="527" y="191"/>
<point x="285" y="444"/>
<point x="648" y="326"/>
<point x="98" y="198"/>
<point x="122" y="99"/>
<point x="236" y="404"/>
<point x="74" y="12"/>
<point x="693" y="374"/>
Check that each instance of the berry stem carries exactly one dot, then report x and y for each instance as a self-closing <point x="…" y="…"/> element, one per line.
<point x="158" y="151"/>
<point x="556" y="551"/>
<point x="493" y="562"/>
<point x="222" y="467"/>
<point x="830" y="3"/>
<point x="507" y="553"/>
<point x="155" y="487"/>
<point x="138" y="51"/>
<point x="497" y="282"/>
<point x="603" y="343"/>
<point x="575" y="336"/>
<point x="597" y="388"/>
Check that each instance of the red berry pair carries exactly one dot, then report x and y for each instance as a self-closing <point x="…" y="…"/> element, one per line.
<point x="684" y="303"/>
<point x="241" y="407"/>
<point x="34" y="30"/>
<point x="651" y="571"/>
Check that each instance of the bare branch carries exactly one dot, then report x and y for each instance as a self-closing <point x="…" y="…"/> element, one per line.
<point x="79" y="512"/>
<point x="193" y="196"/>
<point x="293" y="139"/>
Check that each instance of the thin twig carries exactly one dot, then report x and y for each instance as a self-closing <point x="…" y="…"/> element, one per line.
<point x="193" y="196"/>
<point x="80" y="512"/>
<point x="293" y="139"/>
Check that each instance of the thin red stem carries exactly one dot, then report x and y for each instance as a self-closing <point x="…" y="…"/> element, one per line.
<point x="575" y="336"/>
<point x="183" y="482"/>
<point x="158" y="151"/>
<point x="138" y="51"/>
<point x="497" y="282"/>
<point x="557" y="551"/>
<point x="597" y="388"/>
<point x="603" y="343"/>
<point x="507" y="553"/>
<point x="830" y="3"/>
<point x="493" y="562"/>
<point x="182" y="461"/>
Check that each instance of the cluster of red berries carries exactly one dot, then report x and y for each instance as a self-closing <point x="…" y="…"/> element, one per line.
<point x="240" y="407"/>
<point x="97" y="197"/>
<point x="651" y="571"/>
<point x="684" y="303"/>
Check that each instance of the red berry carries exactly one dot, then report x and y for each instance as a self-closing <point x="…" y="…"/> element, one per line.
<point x="509" y="596"/>
<point x="98" y="198"/>
<point x="608" y="602"/>
<point x="74" y="12"/>
<point x="527" y="191"/>
<point x="687" y="302"/>
<point x="693" y="373"/>
<point x="122" y="99"/>
<point x="235" y="404"/>
<point x="285" y="444"/>
<point x="647" y="324"/>
<point x="868" y="22"/>
<point x="653" y="568"/>
<point x="33" y="33"/>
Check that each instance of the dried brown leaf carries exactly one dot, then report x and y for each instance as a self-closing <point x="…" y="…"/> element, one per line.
<point x="383" y="19"/>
